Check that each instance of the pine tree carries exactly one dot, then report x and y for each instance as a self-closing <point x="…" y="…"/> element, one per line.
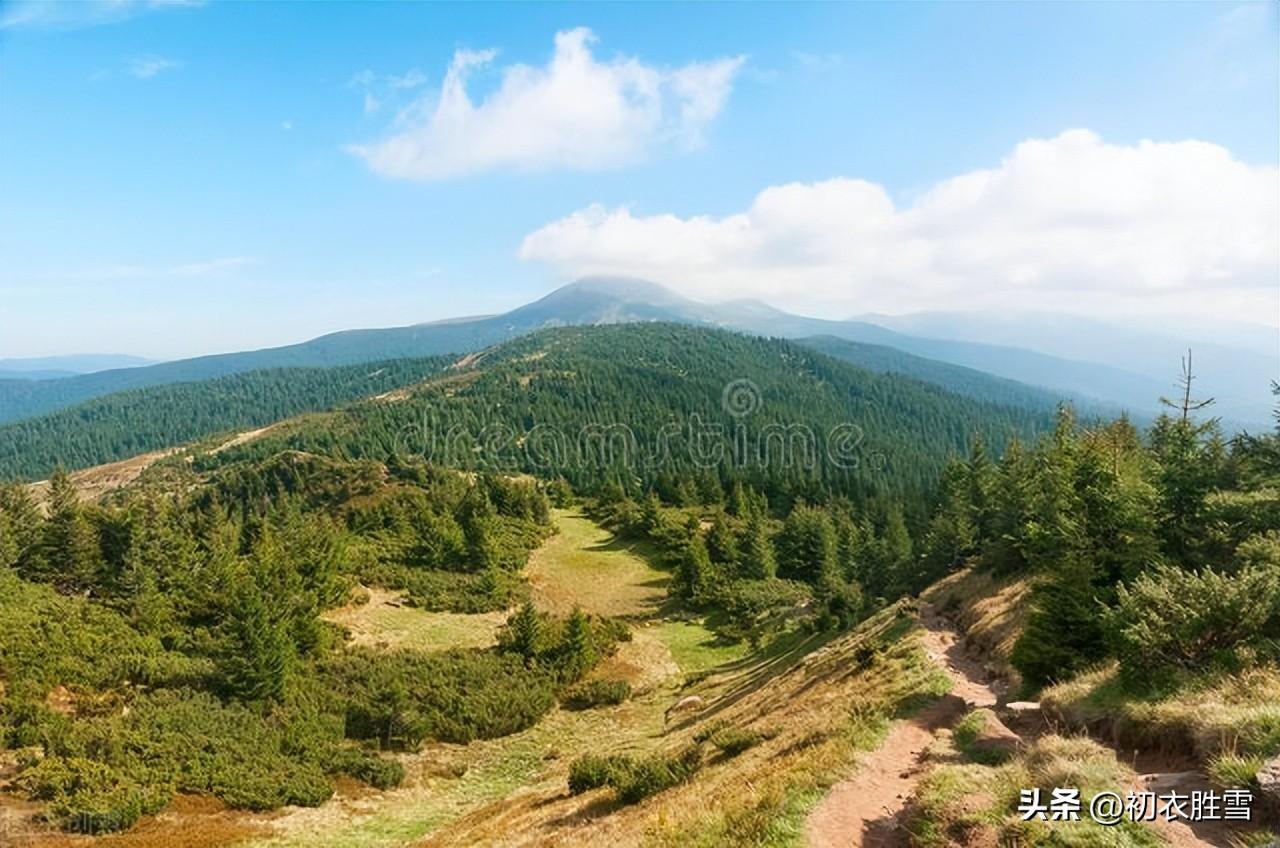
<point x="579" y="651"/>
<point x="524" y="632"/>
<point x="722" y="544"/>
<point x="807" y="546"/>
<point x="70" y="546"/>
<point x="1005" y="550"/>
<point x="21" y="527"/>
<point x="981" y="479"/>
<point x="694" y="575"/>
<point x="1064" y="633"/>
<point x="756" y="555"/>
<point x="259" y="650"/>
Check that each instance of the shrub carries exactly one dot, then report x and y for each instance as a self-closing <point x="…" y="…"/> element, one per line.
<point x="1173" y="620"/>
<point x="650" y="775"/>
<point x="402" y="697"/>
<point x="87" y="796"/>
<point x="591" y="772"/>
<point x="596" y="693"/>
<point x="378" y="772"/>
<point x="634" y="778"/>
<point x="734" y="740"/>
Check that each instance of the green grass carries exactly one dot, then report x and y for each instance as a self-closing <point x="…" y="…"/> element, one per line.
<point x="695" y="648"/>
<point x="587" y="566"/>
<point x="979" y="803"/>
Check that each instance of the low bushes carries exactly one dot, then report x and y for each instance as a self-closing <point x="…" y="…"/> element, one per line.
<point x="400" y="698"/>
<point x="1171" y="620"/>
<point x="634" y="778"/>
<point x="597" y="693"/>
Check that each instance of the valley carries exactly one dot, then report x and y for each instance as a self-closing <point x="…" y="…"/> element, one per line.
<point x="448" y="642"/>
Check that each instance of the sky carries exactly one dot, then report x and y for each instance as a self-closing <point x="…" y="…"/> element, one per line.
<point x="180" y="178"/>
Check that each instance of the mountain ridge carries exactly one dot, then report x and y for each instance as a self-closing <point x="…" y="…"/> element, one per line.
<point x="597" y="300"/>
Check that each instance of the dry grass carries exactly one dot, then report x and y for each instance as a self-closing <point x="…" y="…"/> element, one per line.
<point x="93" y="483"/>
<point x="387" y="621"/>
<point x="190" y="821"/>
<point x="816" y="705"/>
<point x="1234" y="713"/>
<point x="991" y="611"/>
<point x="968" y="804"/>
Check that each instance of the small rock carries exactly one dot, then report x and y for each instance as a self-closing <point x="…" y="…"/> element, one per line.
<point x="1269" y="782"/>
<point x="995" y="743"/>
<point x="1022" y="707"/>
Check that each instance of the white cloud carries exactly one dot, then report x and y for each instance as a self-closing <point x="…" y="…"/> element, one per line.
<point x="1069" y="223"/>
<point x="379" y="89"/>
<point x="576" y="112"/>
<point x="43" y="14"/>
<point x="146" y="67"/>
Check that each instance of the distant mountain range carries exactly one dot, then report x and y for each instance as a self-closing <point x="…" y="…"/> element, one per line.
<point x="1236" y="372"/>
<point x="56" y="367"/>
<point x="610" y="301"/>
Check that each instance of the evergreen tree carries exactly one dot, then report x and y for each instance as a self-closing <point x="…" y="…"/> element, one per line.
<point x="694" y="575"/>
<point x="523" y="633"/>
<point x="981" y="478"/>
<point x="579" y="651"/>
<point x="1065" y="632"/>
<point x="259" y="649"/>
<point x="20" y="529"/>
<point x="1005" y="549"/>
<point x="70" y="555"/>
<point x="757" y="560"/>
<point x="722" y="543"/>
<point x="807" y="546"/>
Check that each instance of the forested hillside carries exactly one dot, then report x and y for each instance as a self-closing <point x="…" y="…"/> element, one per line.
<point x="631" y="404"/>
<point x="971" y="383"/>
<point x="596" y="301"/>
<point x="133" y="422"/>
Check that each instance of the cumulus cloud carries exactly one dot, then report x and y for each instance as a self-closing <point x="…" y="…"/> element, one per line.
<point x="1068" y="223"/>
<point x="575" y="112"/>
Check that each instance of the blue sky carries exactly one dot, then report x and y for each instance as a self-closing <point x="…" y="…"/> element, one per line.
<point x="177" y="179"/>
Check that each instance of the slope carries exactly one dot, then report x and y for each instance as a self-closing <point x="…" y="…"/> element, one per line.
<point x="635" y="402"/>
<point x="139" y="421"/>
<point x="586" y="302"/>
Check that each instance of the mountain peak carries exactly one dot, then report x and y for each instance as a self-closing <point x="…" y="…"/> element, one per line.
<point x="626" y="289"/>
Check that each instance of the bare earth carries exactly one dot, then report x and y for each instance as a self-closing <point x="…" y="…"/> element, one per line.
<point x="862" y="811"/>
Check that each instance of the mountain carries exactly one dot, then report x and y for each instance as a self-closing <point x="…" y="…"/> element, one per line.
<point x="956" y="378"/>
<point x="640" y="401"/>
<point x="137" y="421"/>
<point x="1238" y="374"/>
<point x="599" y="301"/>
<point x="54" y="367"/>
<point x="557" y="383"/>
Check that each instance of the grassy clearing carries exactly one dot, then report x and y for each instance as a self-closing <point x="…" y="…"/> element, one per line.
<point x="695" y="648"/>
<point x="387" y="621"/>
<point x="813" y="710"/>
<point x="581" y="565"/>
<point x="445" y="782"/>
<point x="1213" y="717"/>
<point x="587" y="566"/>
<point x="973" y="804"/>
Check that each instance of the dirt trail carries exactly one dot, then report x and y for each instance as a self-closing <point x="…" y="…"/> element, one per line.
<point x="862" y="811"/>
